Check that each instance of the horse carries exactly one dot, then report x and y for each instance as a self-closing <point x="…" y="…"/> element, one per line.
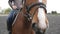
<point x="33" y="14"/>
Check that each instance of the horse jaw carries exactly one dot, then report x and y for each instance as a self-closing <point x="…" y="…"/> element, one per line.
<point x="42" y="18"/>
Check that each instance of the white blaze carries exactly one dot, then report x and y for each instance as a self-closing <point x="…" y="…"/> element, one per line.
<point x="41" y="17"/>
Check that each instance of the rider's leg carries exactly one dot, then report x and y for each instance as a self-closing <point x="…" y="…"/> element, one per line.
<point x="10" y="20"/>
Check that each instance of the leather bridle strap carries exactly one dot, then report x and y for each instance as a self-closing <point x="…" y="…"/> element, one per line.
<point x="39" y="5"/>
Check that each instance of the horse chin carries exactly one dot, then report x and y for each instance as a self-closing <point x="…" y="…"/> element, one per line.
<point x="40" y="31"/>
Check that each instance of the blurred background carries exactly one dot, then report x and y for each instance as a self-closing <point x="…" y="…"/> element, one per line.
<point x="53" y="14"/>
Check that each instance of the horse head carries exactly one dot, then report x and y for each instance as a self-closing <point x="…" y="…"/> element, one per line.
<point x="33" y="12"/>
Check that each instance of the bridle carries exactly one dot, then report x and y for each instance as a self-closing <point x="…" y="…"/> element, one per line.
<point x="28" y="8"/>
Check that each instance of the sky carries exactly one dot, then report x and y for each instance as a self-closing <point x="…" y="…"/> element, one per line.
<point x="52" y="5"/>
<point x="4" y="4"/>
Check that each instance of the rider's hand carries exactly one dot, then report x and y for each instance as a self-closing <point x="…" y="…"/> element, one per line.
<point x="14" y="7"/>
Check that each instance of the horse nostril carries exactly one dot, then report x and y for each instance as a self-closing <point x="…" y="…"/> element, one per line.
<point x="34" y="26"/>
